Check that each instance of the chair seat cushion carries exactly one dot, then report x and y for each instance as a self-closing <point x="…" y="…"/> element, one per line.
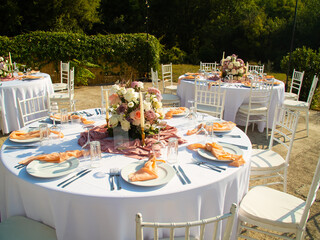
<point x="295" y="104"/>
<point x="171" y="87"/>
<point x="272" y="207"/>
<point x="59" y="86"/>
<point x="19" y="227"/>
<point x="206" y="108"/>
<point x="289" y="95"/>
<point x="265" y="159"/>
<point x="170" y="98"/>
<point x="57" y="96"/>
<point x="254" y="108"/>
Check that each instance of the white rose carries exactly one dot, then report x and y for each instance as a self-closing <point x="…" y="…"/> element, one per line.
<point x="114" y="89"/>
<point x="129" y="95"/>
<point x="147" y="105"/>
<point x="1" y="59"/>
<point x="114" y="120"/>
<point x="147" y="125"/>
<point x="158" y="115"/>
<point x="155" y="99"/>
<point x="140" y="85"/>
<point x="148" y="98"/>
<point x="241" y="71"/>
<point x="123" y="90"/>
<point x="230" y="65"/>
<point x="125" y="125"/>
<point x="237" y="64"/>
<point x="157" y="105"/>
<point x="130" y="104"/>
<point x="233" y="71"/>
<point x="228" y="58"/>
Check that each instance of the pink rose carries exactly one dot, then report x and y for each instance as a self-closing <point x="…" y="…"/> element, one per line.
<point x="114" y="99"/>
<point x="135" y="116"/>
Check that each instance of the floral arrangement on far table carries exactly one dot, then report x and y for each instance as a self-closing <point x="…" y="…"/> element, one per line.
<point x="232" y="65"/>
<point x="124" y="105"/>
<point x="4" y="68"/>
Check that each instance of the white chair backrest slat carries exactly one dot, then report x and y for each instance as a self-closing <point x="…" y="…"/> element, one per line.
<point x="296" y="82"/>
<point x="257" y="68"/>
<point x="312" y="89"/>
<point x="64" y="72"/>
<point x="208" y="67"/>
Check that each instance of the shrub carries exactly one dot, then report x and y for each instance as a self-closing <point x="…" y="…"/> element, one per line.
<point x="174" y="55"/>
<point x="308" y="60"/>
<point x="39" y="48"/>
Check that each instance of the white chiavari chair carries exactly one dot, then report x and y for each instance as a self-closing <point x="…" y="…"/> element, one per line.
<point x="295" y="86"/>
<point x="188" y="226"/>
<point x="301" y="105"/>
<point x="64" y="77"/>
<point x="167" y="82"/>
<point x="167" y="99"/>
<point x="256" y="68"/>
<point x="266" y="210"/>
<point x="209" y="98"/>
<point x="208" y="67"/>
<point x="268" y="165"/>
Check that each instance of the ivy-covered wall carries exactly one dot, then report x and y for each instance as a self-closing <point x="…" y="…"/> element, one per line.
<point x="112" y="53"/>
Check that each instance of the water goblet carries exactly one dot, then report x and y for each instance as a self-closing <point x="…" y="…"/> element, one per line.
<point x="75" y="118"/>
<point x="64" y="116"/>
<point x="158" y="147"/>
<point x="44" y="133"/>
<point x="55" y="134"/>
<point x="172" y="151"/>
<point x="95" y="154"/>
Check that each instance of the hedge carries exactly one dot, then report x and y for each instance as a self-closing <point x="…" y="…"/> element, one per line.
<point x="38" y="48"/>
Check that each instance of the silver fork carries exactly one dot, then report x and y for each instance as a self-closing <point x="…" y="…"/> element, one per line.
<point x="115" y="172"/>
<point x="111" y="178"/>
<point x="211" y="166"/>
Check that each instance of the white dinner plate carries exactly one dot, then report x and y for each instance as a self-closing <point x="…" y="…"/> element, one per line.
<point x="181" y="114"/>
<point x="165" y="173"/>
<point x="44" y="169"/>
<point x="227" y="147"/>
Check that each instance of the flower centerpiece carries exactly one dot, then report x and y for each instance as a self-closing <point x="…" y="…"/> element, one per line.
<point x="233" y="65"/>
<point x="4" y="68"/>
<point x="124" y="106"/>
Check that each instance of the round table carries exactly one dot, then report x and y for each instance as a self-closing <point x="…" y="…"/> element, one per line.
<point x="88" y="209"/>
<point x="10" y="91"/>
<point x="236" y="94"/>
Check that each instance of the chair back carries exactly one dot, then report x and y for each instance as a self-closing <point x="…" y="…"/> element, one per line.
<point x="311" y="198"/>
<point x="64" y="72"/>
<point x="208" y="67"/>
<point x="166" y="74"/>
<point x="312" y="89"/>
<point x="257" y="68"/>
<point x="229" y="217"/>
<point x="209" y="98"/>
<point x="260" y="93"/>
<point x="154" y="77"/>
<point x="33" y="109"/>
<point x="71" y="84"/>
<point x="296" y="82"/>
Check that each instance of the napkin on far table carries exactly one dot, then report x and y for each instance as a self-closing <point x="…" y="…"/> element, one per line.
<point x="217" y="126"/>
<point x="55" y="157"/>
<point x="218" y="152"/>
<point x="147" y="172"/>
<point x="22" y="135"/>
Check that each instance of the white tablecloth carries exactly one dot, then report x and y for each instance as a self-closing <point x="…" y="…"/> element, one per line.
<point x="10" y="91"/>
<point x="235" y="96"/>
<point x="87" y="209"/>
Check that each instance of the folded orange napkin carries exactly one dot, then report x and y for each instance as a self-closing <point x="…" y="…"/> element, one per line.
<point x="55" y="157"/>
<point x="22" y="135"/>
<point x="219" y="153"/>
<point x="147" y="172"/>
<point x="174" y="111"/>
<point x="217" y="126"/>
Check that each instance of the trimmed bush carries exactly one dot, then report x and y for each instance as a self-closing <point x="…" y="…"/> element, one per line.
<point x="38" y="48"/>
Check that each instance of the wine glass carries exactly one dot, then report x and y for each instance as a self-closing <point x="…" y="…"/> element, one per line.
<point x="88" y="127"/>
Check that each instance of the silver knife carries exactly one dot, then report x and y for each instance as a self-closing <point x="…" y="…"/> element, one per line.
<point x="72" y="177"/>
<point x="179" y="176"/>
<point x="20" y="147"/>
<point x="239" y="146"/>
<point x="184" y="175"/>
<point x="81" y="175"/>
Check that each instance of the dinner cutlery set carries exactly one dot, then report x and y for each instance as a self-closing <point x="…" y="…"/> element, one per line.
<point x="208" y="165"/>
<point x="19" y="166"/>
<point x="181" y="175"/>
<point x="20" y="146"/>
<point x="73" y="178"/>
<point x="114" y="173"/>
<point x="98" y="111"/>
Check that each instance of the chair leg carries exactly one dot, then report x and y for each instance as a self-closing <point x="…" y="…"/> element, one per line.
<point x="247" y="123"/>
<point x="307" y="122"/>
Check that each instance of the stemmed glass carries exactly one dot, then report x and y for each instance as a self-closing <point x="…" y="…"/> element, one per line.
<point x="202" y="128"/>
<point x="88" y="127"/>
<point x="158" y="147"/>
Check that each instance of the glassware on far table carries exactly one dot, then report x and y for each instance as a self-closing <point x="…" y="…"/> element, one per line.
<point x="64" y="116"/>
<point x="95" y="154"/>
<point x="44" y="133"/>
